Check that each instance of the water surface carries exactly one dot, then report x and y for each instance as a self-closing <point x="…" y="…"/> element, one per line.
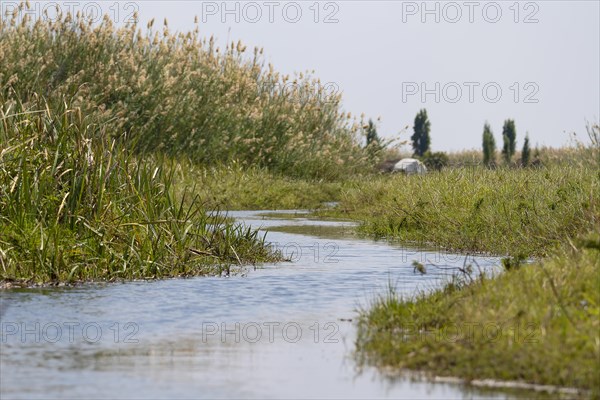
<point x="281" y="330"/>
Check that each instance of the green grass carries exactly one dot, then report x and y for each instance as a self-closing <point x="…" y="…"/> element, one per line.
<point x="233" y="187"/>
<point x="77" y="206"/>
<point x="537" y="324"/>
<point x="115" y="143"/>
<point x="517" y="212"/>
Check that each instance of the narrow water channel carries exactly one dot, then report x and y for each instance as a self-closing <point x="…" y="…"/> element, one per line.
<point x="278" y="331"/>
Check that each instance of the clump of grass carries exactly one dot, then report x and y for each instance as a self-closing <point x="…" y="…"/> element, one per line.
<point x="75" y="205"/>
<point x="179" y="94"/>
<point x="538" y="324"/>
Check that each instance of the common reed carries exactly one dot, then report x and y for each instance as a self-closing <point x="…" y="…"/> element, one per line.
<point x="76" y="205"/>
<point x="178" y="93"/>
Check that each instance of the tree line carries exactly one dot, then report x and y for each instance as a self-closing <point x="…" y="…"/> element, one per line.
<point x="509" y="138"/>
<point x="421" y="143"/>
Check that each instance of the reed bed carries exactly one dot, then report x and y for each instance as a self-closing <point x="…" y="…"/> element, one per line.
<point x="75" y="205"/>
<point x="179" y="94"/>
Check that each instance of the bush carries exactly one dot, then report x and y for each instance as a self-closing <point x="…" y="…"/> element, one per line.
<point x="435" y="161"/>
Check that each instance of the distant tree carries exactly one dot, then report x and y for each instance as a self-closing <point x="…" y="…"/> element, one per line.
<point x="420" y="138"/>
<point x="526" y="152"/>
<point x="374" y="144"/>
<point x="509" y="134"/>
<point x="489" y="146"/>
<point x="372" y="137"/>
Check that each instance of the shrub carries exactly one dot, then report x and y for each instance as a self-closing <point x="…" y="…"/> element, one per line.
<point x="435" y="161"/>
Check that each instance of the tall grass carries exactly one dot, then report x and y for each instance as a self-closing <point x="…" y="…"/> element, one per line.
<point x="178" y="93"/>
<point x="234" y="187"/>
<point x="520" y="212"/>
<point x="76" y="205"/>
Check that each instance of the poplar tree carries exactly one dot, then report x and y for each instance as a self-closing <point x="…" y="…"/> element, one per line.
<point x="509" y="134"/>
<point x="526" y="152"/>
<point x="489" y="146"/>
<point x="420" y="138"/>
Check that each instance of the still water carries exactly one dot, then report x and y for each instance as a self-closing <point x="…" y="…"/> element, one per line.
<point x="285" y="330"/>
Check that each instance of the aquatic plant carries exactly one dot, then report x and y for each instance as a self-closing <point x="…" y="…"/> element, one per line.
<point x="76" y="205"/>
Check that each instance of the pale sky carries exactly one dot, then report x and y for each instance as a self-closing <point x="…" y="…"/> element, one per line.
<point x="543" y="56"/>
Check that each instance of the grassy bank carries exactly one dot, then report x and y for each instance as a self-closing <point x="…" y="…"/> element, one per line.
<point x="115" y="143"/>
<point x="538" y="324"/>
<point x="517" y="212"/>
<point x="77" y="206"/>
<point x="233" y="187"/>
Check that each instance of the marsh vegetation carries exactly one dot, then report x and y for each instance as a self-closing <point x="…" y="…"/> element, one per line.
<point x="117" y="144"/>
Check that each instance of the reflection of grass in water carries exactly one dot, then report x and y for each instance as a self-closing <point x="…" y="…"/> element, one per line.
<point x="320" y="231"/>
<point x="285" y="215"/>
<point x="311" y="216"/>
